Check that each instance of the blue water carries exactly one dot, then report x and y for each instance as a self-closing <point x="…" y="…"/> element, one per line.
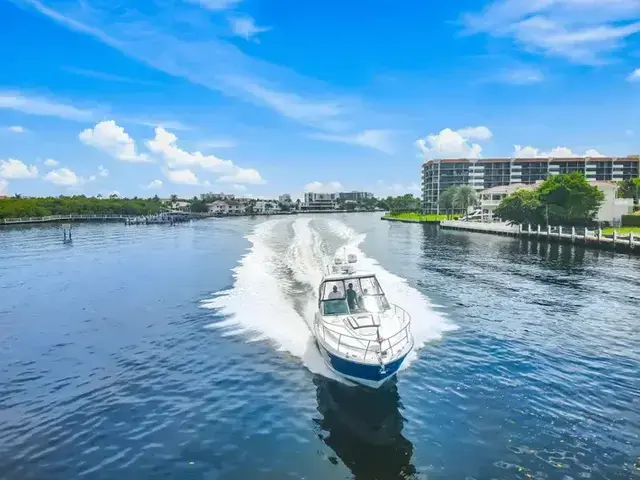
<point x="149" y="352"/>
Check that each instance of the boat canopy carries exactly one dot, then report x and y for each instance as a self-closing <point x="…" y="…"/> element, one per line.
<point x="344" y="295"/>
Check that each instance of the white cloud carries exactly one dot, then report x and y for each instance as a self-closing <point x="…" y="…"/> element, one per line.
<point x="239" y="188"/>
<point x="376" y="139"/>
<point x="50" y="162"/>
<point x="4" y="187"/>
<point x="92" y="178"/>
<point x="41" y="106"/>
<point x="593" y="153"/>
<point x="217" y="143"/>
<point x="216" y="5"/>
<point x="246" y="27"/>
<point x="164" y="144"/>
<point x="634" y="76"/>
<point x="243" y="175"/>
<point x="319" y="187"/>
<point x="114" y="192"/>
<point x="521" y="76"/>
<point x="106" y="76"/>
<point x="396" y="189"/>
<point x="182" y="177"/>
<point x="16" y="129"/>
<point x="14" y="169"/>
<point x="582" y="31"/>
<point x="454" y="143"/>
<point x="103" y="172"/>
<point x="112" y="139"/>
<point x="155" y="184"/>
<point x="557" y="152"/>
<point x="63" y="177"/>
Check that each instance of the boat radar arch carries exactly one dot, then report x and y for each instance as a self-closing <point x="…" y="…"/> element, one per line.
<point x="344" y="266"/>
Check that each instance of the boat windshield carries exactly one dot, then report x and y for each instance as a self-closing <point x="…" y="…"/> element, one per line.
<point x="353" y="295"/>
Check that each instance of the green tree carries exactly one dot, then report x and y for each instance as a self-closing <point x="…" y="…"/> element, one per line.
<point x="569" y="199"/>
<point x="199" y="206"/>
<point x="448" y="200"/>
<point x="464" y="197"/>
<point x="630" y="188"/>
<point x="251" y="205"/>
<point x="522" y="207"/>
<point x="174" y="198"/>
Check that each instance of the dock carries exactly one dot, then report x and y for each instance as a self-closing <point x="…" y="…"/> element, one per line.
<point x="169" y="217"/>
<point x="583" y="236"/>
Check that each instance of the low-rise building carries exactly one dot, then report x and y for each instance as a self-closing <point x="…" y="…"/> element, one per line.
<point x="226" y="207"/>
<point x="263" y="207"/>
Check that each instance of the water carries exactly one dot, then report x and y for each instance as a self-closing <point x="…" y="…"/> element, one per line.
<point x="184" y="352"/>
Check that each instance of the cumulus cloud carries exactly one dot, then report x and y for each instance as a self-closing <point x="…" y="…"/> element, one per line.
<point x="243" y="175"/>
<point x="16" y="129"/>
<point x="165" y="144"/>
<point x="182" y="177"/>
<point x="634" y="76"/>
<point x="319" y="187"/>
<point x="4" y="187"/>
<point x="63" y="177"/>
<point x="154" y="184"/>
<point x="113" y="140"/>
<point x="558" y="152"/>
<point x="246" y="27"/>
<point x="14" y="169"/>
<point x="50" y="162"/>
<point x="103" y="172"/>
<point x="454" y="143"/>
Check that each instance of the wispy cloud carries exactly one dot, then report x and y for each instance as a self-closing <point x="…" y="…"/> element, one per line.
<point x="217" y="143"/>
<point x="582" y="31"/>
<point x="246" y="28"/>
<point x="204" y="58"/>
<point x="376" y="139"/>
<point x="320" y="187"/>
<point x="16" y="129"/>
<point x="216" y="5"/>
<point x="109" y="77"/>
<point x="634" y="76"/>
<point x="519" y="76"/>
<point x="42" y="106"/>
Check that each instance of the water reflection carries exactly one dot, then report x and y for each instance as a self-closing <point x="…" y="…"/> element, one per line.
<point x="364" y="428"/>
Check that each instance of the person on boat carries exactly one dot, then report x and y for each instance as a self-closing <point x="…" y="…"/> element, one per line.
<point x="352" y="297"/>
<point x="334" y="294"/>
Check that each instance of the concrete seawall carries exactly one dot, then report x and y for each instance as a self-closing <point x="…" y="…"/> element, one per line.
<point x="587" y="238"/>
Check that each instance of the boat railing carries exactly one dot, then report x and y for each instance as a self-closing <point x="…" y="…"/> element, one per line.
<point x="384" y="349"/>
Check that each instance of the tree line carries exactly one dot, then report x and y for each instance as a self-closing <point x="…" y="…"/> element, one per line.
<point x="18" y="206"/>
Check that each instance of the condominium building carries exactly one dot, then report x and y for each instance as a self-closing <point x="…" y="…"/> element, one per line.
<point x="320" y="201"/>
<point x="355" y="196"/>
<point x="482" y="174"/>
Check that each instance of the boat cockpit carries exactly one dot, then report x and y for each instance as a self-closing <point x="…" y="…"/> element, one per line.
<point x="352" y="295"/>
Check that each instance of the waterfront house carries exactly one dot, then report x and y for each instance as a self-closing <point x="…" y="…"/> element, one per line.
<point x="263" y="207"/>
<point x="226" y="207"/>
<point x="611" y="209"/>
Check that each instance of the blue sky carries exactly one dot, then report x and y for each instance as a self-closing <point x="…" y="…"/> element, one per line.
<point x="263" y="97"/>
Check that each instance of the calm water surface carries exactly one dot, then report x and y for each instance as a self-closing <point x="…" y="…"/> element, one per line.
<point x="183" y="352"/>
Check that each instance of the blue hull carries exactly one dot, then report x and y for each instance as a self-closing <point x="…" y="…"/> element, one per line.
<point x="370" y="375"/>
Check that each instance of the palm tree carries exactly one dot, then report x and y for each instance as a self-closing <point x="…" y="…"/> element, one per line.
<point x="174" y="198"/>
<point x="465" y="196"/>
<point x="448" y="200"/>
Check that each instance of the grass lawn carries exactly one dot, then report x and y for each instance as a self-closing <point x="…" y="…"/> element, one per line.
<point x="622" y="230"/>
<point x="417" y="217"/>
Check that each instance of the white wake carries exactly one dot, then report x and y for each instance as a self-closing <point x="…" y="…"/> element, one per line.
<point x="274" y="296"/>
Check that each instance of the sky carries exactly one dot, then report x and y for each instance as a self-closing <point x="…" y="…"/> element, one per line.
<point x="260" y="98"/>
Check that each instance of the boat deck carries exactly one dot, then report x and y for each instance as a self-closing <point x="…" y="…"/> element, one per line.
<point x="355" y="336"/>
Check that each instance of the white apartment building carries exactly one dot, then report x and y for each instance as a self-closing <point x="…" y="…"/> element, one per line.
<point x="320" y="201"/>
